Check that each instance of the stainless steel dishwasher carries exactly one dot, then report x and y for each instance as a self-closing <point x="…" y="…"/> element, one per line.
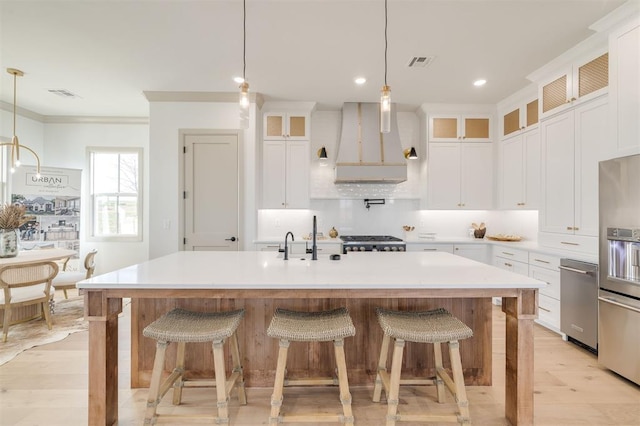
<point x="579" y="303"/>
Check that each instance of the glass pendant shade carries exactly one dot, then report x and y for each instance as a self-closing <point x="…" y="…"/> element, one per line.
<point x="245" y="103"/>
<point x="385" y="109"/>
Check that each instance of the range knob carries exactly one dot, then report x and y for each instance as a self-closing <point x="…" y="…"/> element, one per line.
<point x="394" y="248"/>
<point x="400" y="248"/>
<point x="362" y="248"/>
<point x="349" y="248"/>
<point x="387" y="248"/>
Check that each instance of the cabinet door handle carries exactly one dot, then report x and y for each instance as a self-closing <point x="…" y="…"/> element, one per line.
<point x="543" y="309"/>
<point x="541" y="261"/>
<point x="507" y="253"/>
<point x="569" y="244"/>
<point x="430" y="249"/>
<point x="232" y="239"/>
<point x="508" y="264"/>
<point x="569" y="228"/>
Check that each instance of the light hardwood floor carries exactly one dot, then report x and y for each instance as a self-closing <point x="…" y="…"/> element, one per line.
<point x="47" y="386"/>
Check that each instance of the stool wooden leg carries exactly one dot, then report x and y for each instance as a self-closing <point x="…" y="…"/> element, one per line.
<point x="343" y="381"/>
<point x="237" y="368"/>
<point x="154" y="387"/>
<point x="394" y="386"/>
<point x="437" y="351"/>
<point x="276" y="397"/>
<point x="382" y="366"/>
<point x="458" y="378"/>
<point x="179" y="383"/>
<point x="64" y="290"/>
<point x="221" y="381"/>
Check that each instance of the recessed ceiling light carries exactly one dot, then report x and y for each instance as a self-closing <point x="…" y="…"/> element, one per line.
<point x="480" y="82"/>
<point x="238" y="80"/>
<point x="360" y="80"/>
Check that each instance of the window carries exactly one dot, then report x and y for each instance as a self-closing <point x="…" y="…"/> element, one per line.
<point x="116" y="212"/>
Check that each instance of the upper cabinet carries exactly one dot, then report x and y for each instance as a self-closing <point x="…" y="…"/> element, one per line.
<point x="572" y="145"/>
<point x="624" y="94"/>
<point x="519" y="118"/>
<point x="577" y="82"/>
<point x="460" y="128"/>
<point x="291" y="126"/>
<point x="520" y="171"/>
<point x="460" y="176"/>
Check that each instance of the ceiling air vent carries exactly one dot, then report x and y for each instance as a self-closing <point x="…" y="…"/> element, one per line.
<point x="420" y="61"/>
<point x="64" y="93"/>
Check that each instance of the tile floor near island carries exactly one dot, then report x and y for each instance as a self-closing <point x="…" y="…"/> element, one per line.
<point x="47" y="385"/>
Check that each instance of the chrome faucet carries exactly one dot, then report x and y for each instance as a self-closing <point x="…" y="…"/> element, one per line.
<point x="286" y="248"/>
<point x="314" y="247"/>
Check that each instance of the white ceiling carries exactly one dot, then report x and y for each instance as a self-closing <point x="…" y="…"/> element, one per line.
<point x="109" y="52"/>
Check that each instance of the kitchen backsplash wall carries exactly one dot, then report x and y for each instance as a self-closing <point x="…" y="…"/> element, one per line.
<point x="351" y="217"/>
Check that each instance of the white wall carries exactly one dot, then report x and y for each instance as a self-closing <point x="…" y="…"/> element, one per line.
<point x="66" y="146"/>
<point x="350" y="217"/>
<point x="166" y="120"/>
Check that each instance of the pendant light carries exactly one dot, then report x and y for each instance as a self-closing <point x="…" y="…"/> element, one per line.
<point x="245" y="102"/>
<point x="385" y="94"/>
<point x="15" y="144"/>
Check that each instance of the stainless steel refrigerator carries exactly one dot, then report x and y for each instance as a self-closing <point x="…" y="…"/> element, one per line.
<point x="619" y="283"/>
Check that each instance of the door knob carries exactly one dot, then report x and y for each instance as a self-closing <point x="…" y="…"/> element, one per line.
<point x="230" y="239"/>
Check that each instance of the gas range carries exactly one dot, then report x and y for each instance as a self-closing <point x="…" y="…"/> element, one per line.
<point x="384" y="243"/>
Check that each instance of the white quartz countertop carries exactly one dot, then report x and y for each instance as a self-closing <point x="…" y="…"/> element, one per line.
<point x="266" y="270"/>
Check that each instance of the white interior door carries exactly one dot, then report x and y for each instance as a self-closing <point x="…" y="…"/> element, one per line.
<point x="211" y="196"/>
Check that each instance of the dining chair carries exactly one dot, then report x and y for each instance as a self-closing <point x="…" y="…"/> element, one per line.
<point x="24" y="285"/>
<point x="66" y="280"/>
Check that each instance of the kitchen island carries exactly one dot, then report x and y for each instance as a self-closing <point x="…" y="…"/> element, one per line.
<point x="260" y="281"/>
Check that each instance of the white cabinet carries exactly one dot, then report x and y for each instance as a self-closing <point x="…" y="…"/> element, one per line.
<point x="513" y="260"/>
<point x="471" y="251"/>
<point x="519" y="118"/>
<point x="576" y="82"/>
<point x="572" y="145"/>
<point x="624" y="69"/>
<point x="545" y="268"/>
<point x="520" y="170"/>
<point x="430" y="247"/>
<point x="452" y="127"/>
<point x="460" y="176"/>
<point x="285" y="182"/>
<point x="474" y="251"/>
<point x="290" y="126"/>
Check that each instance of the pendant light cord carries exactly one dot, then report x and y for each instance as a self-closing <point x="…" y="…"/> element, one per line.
<point x="385" y="42"/>
<point x="244" y="39"/>
<point x="14" y="104"/>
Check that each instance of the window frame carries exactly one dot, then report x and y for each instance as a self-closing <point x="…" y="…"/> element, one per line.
<point x="91" y="234"/>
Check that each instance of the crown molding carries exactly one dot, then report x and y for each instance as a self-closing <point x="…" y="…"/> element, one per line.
<point x="159" y="96"/>
<point x="5" y="106"/>
<point x="70" y="119"/>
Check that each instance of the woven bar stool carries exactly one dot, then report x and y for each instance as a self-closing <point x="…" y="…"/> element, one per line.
<point x="182" y="326"/>
<point x="436" y="326"/>
<point x="321" y="326"/>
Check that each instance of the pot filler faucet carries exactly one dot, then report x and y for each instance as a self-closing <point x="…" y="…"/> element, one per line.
<point x="286" y="248"/>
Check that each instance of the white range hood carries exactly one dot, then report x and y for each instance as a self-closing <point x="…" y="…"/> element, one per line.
<point x="365" y="155"/>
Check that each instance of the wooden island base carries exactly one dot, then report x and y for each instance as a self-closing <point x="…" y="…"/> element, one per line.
<point x="260" y="352"/>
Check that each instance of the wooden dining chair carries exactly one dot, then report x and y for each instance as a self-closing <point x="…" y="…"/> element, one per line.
<point x="66" y="280"/>
<point x="24" y="285"/>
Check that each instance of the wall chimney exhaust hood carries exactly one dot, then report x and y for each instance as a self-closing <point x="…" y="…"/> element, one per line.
<point x="365" y="155"/>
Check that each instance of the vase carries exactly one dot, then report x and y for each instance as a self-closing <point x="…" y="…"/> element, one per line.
<point x="8" y="243"/>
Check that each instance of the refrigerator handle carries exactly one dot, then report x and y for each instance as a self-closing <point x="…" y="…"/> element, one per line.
<point x="613" y="302"/>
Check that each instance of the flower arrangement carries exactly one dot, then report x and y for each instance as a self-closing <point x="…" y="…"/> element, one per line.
<point x="12" y="216"/>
